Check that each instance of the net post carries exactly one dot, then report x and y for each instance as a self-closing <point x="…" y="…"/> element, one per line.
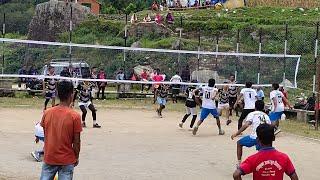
<point x="318" y="78"/>
<point x="316" y="53"/>
<point x="217" y="48"/>
<point x="285" y="53"/>
<point x="125" y="44"/>
<point x="260" y="50"/>
<point x="70" y="35"/>
<point x="237" y="51"/>
<point x="314" y="84"/>
<point x="181" y="19"/>
<point x="198" y="64"/>
<point x="3" y="35"/>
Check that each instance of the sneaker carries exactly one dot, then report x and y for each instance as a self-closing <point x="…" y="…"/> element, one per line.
<point x="181" y="125"/>
<point x="221" y="132"/>
<point x="195" y="130"/>
<point x="96" y="125"/>
<point x="277" y="131"/>
<point x="228" y="122"/>
<point x="84" y="125"/>
<point x="36" y="156"/>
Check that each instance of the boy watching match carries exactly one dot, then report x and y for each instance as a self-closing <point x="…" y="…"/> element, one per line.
<point x="268" y="163"/>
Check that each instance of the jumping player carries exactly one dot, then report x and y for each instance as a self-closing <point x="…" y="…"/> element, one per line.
<point x="223" y="104"/>
<point x="278" y="100"/>
<point x="190" y="107"/>
<point x="208" y="105"/>
<point x="49" y="88"/>
<point x="233" y="94"/>
<point x="254" y="119"/>
<point x="250" y="96"/>
<point x="161" y="94"/>
<point x="84" y="89"/>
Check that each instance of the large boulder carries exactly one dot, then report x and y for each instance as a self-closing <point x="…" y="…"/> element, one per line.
<point x="140" y="29"/>
<point x="53" y="17"/>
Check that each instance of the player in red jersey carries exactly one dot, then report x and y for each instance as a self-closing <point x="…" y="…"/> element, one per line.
<point x="268" y="163"/>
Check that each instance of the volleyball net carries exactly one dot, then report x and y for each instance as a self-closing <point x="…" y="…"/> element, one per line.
<point x="199" y="65"/>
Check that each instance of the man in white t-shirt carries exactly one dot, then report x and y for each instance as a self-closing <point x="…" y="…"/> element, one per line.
<point x="208" y="105"/>
<point x="277" y="99"/>
<point x="254" y="119"/>
<point x="249" y="96"/>
<point x="175" y="87"/>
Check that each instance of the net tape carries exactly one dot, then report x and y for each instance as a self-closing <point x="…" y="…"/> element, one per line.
<point x="147" y="49"/>
<point x="112" y="81"/>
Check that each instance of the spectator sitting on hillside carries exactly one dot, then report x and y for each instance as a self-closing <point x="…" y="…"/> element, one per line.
<point x="134" y="18"/>
<point x="147" y="18"/>
<point x="155" y="6"/>
<point x="178" y="4"/>
<point x="196" y="3"/>
<point x="158" y="18"/>
<point x="170" y="18"/>
<point x="171" y="4"/>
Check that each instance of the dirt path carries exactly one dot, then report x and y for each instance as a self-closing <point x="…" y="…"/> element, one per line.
<point x="136" y="145"/>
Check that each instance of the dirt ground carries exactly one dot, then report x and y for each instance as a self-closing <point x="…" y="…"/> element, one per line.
<point x="137" y="145"/>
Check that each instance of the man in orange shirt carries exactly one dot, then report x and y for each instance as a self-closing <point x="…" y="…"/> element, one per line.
<point x="62" y="128"/>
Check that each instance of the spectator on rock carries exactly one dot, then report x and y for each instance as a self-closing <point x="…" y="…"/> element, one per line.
<point x="158" y="18"/>
<point x="147" y="18"/>
<point x="134" y="19"/>
<point x="155" y="6"/>
<point x="170" y="18"/>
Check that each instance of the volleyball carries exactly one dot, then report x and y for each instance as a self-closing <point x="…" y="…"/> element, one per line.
<point x="218" y="6"/>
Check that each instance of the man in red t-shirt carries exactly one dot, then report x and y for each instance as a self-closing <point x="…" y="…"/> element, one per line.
<point x="268" y="163"/>
<point x="62" y="128"/>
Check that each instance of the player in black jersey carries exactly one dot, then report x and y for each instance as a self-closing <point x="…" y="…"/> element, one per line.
<point x="233" y="95"/>
<point x="223" y="105"/>
<point x="84" y="90"/>
<point x="162" y="94"/>
<point x="190" y="107"/>
<point x="49" y="88"/>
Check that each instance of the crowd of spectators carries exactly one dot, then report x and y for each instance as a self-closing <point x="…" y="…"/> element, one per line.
<point x="162" y="4"/>
<point x="157" y="18"/>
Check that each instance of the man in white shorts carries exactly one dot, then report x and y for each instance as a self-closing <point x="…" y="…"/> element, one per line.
<point x="208" y="105"/>
<point x="85" y="89"/>
<point x="223" y="105"/>
<point x="254" y="119"/>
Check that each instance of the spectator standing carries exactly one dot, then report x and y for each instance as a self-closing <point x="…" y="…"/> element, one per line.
<point x="175" y="87"/>
<point x="260" y="94"/>
<point x="285" y="94"/>
<point x="101" y="85"/>
<point x="65" y="72"/>
<point x="170" y="18"/>
<point x="62" y="128"/>
<point x="145" y="77"/>
<point x="32" y="81"/>
<point x="22" y="71"/>
<point x="185" y="76"/>
<point x="268" y="163"/>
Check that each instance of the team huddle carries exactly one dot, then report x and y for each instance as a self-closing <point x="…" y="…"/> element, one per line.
<point x="212" y="101"/>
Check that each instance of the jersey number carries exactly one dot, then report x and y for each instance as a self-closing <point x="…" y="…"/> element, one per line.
<point x="279" y="99"/>
<point x="262" y="120"/>
<point x="207" y="95"/>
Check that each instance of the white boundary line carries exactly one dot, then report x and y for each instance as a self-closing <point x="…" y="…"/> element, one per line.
<point x="145" y="49"/>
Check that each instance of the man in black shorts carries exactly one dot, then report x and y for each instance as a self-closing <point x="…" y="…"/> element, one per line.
<point x="190" y="107"/>
<point x="233" y="95"/>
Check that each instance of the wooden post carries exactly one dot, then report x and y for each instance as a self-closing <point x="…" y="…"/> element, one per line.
<point x="3" y="35"/>
<point x="318" y="81"/>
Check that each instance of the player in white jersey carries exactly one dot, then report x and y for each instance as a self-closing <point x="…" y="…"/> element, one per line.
<point x="277" y="100"/>
<point x="253" y="119"/>
<point x="249" y="96"/>
<point x="208" y="105"/>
